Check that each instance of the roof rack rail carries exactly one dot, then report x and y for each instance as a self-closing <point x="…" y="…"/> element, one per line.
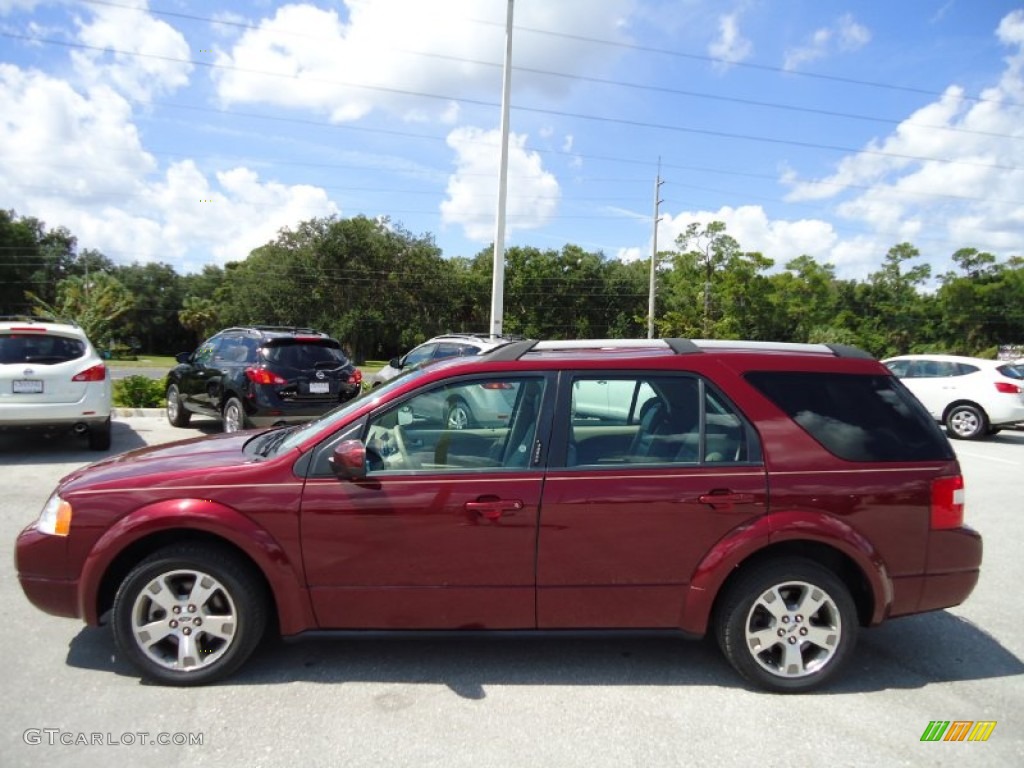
<point x="517" y="349"/>
<point x="280" y="328"/>
<point x="37" y="319"/>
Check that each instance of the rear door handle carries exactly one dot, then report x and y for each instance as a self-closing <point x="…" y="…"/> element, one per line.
<point x="493" y="509"/>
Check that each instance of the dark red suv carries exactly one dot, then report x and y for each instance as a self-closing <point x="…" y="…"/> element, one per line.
<point x="778" y="495"/>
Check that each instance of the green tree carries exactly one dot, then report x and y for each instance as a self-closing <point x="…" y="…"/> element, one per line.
<point x="96" y="303"/>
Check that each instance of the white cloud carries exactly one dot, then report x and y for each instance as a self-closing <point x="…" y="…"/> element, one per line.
<point x="348" y="66"/>
<point x="730" y="46"/>
<point x="76" y="159"/>
<point x="471" y="202"/>
<point x="160" y="65"/>
<point x="777" y="239"/>
<point x="966" y="190"/>
<point x="845" y="35"/>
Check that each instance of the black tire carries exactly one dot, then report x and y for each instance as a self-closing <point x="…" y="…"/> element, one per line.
<point x="457" y="415"/>
<point x="192" y="652"/>
<point x="816" y="625"/>
<point x="177" y="414"/>
<point x="99" y="436"/>
<point x="233" y="415"/>
<point x="966" y="422"/>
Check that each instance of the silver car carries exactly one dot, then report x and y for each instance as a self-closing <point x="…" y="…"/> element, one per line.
<point x="437" y="348"/>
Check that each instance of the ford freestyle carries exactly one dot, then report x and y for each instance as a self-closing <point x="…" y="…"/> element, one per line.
<point x="777" y="496"/>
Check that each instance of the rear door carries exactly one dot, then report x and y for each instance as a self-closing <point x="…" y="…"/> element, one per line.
<point x="633" y="502"/>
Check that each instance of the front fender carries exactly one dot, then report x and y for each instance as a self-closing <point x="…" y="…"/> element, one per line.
<point x="773" y="529"/>
<point x="284" y="577"/>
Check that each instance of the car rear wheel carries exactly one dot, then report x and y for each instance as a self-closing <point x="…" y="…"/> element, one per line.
<point x="234" y="415"/>
<point x="458" y="415"/>
<point x="966" y="422"/>
<point x="177" y="414"/>
<point x="189" y="614"/>
<point x="99" y="436"/>
<point x="787" y="625"/>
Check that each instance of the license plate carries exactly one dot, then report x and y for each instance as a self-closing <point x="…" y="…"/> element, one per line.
<point x="27" y="387"/>
<point x="319" y="387"/>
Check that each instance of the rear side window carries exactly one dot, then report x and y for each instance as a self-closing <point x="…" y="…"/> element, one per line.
<point x="39" y="348"/>
<point x="1011" y="371"/>
<point x="856" y="417"/>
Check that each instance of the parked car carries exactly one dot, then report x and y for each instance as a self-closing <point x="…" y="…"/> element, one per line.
<point x="51" y="376"/>
<point x="778" y="496"/>
<point x="971" y="396"/>
<point x="260" y="376"/>
<point x="437" y="348"/>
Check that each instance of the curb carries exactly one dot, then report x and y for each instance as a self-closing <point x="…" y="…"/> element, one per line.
<point x="123" y="413"/>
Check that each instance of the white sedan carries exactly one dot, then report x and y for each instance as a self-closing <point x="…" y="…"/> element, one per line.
<point x="971" y="396"/>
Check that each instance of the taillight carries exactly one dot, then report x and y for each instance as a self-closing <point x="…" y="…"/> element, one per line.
<point x="263" y="376"/>
<point x="96" y="373"/>
<point x="947" y="502"/>
<point x="1007" y="388"/>
<point x="356" y="377"/>
<point x="497" y="385"/>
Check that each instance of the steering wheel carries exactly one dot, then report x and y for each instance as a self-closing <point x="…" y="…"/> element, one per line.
<point x="402" y="451"/>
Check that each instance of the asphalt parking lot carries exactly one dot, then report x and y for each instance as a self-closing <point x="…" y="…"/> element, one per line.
<point x="506" y="701"/>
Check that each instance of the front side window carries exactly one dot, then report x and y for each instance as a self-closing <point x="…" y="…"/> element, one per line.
<point x="653" y="419"/>
<point x="205" y="354"/>
<point x="856" y="417"/>
<point x="483" y="423"/>
<point x="419" y="355"/>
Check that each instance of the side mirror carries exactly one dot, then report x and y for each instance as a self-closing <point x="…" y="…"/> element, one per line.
<point x="349" y="459"/>
<point x="183" y="357"/>
<point x="395" y="363"/>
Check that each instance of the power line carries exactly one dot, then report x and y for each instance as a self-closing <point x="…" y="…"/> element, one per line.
<point x="534" y="110"/>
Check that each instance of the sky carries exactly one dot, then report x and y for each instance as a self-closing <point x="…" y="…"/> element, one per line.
<point x="190" y="133"/>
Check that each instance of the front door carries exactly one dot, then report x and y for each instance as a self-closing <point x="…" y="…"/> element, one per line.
<point x="442" y="532"/>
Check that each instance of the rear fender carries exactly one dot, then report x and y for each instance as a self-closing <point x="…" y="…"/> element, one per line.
<point x="778" y="528"/>
<point x="284" y="577"/>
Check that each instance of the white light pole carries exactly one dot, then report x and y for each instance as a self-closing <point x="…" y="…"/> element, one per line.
<point x="654" y="255"/>
<point x="498" y="278"/>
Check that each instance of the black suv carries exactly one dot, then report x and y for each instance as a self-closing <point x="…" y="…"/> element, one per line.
<point x="260" y="376"/>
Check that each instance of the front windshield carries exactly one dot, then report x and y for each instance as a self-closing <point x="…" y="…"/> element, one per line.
<point x="333" y="418"/>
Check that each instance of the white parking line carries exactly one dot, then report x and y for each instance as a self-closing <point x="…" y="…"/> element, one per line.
<point x="987" y="458"/>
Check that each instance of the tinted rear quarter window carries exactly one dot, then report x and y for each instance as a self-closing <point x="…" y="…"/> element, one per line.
<point x="856" y="417"/>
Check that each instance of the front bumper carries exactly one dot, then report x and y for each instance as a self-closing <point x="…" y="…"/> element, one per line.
<point x="41" y="562"/>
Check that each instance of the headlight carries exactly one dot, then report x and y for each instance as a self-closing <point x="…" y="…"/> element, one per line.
<point x="55" y="518"/>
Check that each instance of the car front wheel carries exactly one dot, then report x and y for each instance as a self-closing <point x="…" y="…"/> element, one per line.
<point x="966" y="422"/>
<point x="787" y="625"/>
<point x="177" y="415"/>
<point x="189" y="614"/>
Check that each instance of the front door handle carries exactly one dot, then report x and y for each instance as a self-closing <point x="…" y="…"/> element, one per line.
<point x="493" y="508"/>
<point x="723" y="501"/>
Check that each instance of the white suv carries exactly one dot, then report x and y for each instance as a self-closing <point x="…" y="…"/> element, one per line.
<point x="50" y="376"/>
<point x="971" y="396"/>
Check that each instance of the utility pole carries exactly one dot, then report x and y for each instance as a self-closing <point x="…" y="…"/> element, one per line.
<point x="654" y="253"/>
<point x="498" y="276"/>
